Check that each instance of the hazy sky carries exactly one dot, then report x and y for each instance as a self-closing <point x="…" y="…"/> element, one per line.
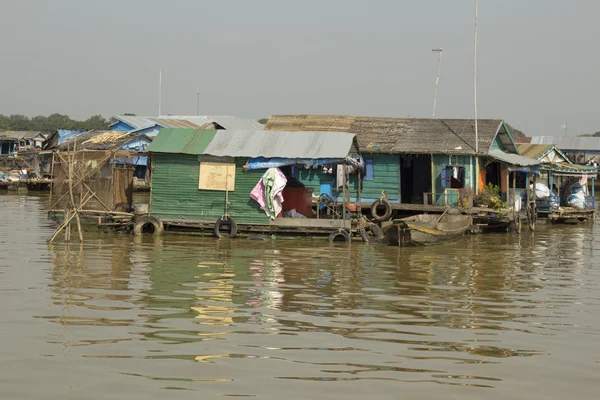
<point x="538" y="60"/>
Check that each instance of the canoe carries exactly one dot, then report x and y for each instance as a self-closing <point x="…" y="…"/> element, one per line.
<point x="427" y="229"/>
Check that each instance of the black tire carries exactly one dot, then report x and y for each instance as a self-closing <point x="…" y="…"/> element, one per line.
<point x="340" y="236"/>
<point x="363" y="235"/>
<point x="377" y="204"/>
<point x="223" y="222"/>
<point x="376" y="232"/>
<point x="148" y="226"/>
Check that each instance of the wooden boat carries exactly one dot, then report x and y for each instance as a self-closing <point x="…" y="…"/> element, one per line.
<point x="426" y="229"/>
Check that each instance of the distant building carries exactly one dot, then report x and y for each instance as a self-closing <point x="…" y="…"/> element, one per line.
<point x="15" y="141"/>
<point x="580" y="149"/>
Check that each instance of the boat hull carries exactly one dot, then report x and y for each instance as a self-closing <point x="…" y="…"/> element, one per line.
<point x="423" y="230"/>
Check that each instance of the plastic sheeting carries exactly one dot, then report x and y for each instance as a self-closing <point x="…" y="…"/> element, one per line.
<point x="265" y="163"/>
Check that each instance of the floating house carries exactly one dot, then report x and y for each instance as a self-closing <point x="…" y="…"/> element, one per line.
<point x="100" y="165"/>
<point x="558" y="172"/>
<point x="201" y="177"/>
<point x="419" y="164"/>
<point x="580" y="149"/>
<point x="150" y="126"/>
<point x="15" y="141"/>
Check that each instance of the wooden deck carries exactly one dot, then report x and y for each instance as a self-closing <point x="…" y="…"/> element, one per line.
<point x="279" y="225"/>
<point x="427" y="208"/>
<point x="571" y="215"/>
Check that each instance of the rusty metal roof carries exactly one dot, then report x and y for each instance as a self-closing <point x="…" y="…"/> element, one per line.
<point x="402" y="135"/>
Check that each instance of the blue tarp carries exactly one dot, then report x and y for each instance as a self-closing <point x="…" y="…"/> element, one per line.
<point x="66" y="134"/>
<point x="140" y="160"/>
<point x="265" y="163"/>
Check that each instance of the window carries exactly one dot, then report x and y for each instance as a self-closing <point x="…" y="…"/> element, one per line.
<point x="369" y="170"/>
<point x="453" y="176"/>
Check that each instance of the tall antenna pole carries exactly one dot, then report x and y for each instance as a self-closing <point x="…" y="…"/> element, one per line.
<point x="437" y="80"/>
<point x="566" y="126"/>
<point x="159" y="91"/>
<point x="475" y="77"/>
<point x="198" y="103"/>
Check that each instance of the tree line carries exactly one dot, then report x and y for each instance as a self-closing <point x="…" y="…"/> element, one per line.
<point x="51" y="123"/>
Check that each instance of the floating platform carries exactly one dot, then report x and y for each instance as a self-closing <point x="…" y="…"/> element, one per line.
<point x="570" y="215"/>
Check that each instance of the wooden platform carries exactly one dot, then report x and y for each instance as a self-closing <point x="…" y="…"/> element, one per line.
<point x="33" y="183"/>
<point x="283" y="225"/>
<point x="571" y="215"/>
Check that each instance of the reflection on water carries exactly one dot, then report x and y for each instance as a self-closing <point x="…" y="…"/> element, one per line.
<point x="126" y="316"/>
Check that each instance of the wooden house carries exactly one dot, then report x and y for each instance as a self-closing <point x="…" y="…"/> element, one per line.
<point x="200" y="176"/>
<point x="96" y="167"/>
<point x="422" y="163"/>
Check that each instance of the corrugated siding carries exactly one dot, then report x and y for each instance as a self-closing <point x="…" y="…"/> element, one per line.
<point x="175" y="192"/>
<point x="386" y="176"/>
<point x="313" y="178"/>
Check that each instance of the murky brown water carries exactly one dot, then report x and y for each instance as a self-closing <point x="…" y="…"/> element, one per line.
<point x="500" y="316"/>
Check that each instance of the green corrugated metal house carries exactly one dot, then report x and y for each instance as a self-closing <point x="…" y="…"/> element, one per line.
<point x="182" y="158"/>
<point x="412" y="158"/>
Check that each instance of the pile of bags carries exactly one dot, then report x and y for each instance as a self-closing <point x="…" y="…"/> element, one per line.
<point x="543" y="192"/>
<point x="577" y="197"/>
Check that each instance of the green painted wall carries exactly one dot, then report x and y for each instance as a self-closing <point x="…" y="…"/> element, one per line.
<point x="313" y="178"/>
<point x="386" y="174"/>
<point x="175" y="192"/>
<point x="497" y="144"/>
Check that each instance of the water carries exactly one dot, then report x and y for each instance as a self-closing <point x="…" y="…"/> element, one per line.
<point x="121" y="317"/>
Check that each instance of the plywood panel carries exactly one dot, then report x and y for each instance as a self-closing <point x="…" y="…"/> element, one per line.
<point x="217" y="176"/>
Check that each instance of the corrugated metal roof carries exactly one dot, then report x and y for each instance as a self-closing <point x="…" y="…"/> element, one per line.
<point x="175" y="123"/>
<point x="569" y="142"/>
<point x="236" y="123"/>
<point x="268" y="144"/>
<point x="135" y="121"/>
<point x="535" y="151"/>
<point x="190" y="121"/>
<point x="513" y="159"/>
<point x="227" y="122"/>
<point x="181" y="141"/>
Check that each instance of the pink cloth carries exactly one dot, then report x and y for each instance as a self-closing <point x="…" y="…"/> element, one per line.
<point x="259" y="195"/>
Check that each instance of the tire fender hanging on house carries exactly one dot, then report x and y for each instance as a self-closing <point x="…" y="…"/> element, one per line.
<point x="377" y="204"/>
<point x="340" y="236"/>
<point x="223" y="222"/>
<point x="148" y="225"/>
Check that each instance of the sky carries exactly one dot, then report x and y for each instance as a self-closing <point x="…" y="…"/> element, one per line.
<point x="537" y="60"/>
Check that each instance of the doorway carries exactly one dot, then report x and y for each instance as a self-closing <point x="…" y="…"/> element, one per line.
<point x="415" y="177"/>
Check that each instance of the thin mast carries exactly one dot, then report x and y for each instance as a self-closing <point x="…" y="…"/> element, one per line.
<point x="437" y="80"/>
<point x="475" y="77"/>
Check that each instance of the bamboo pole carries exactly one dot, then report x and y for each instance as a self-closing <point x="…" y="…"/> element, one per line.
<point x="51" y="180"/>
<point x="81" y="179"/>
<point x="71" y="173"/>
<point x="67" y="221"/>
